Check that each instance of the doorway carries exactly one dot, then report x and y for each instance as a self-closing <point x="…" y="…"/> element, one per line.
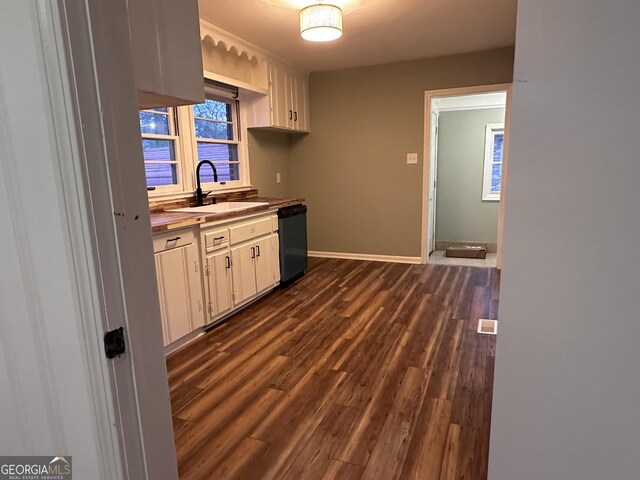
<point x="466" y="140"/>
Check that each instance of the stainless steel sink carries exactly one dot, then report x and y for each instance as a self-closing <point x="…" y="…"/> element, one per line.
<point x="221" y="207"/>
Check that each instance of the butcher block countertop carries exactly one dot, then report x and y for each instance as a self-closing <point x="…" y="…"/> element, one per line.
<point x="164" y="221"/>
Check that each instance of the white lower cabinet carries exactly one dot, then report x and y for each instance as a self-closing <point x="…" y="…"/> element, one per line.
<point x="179" y="287"/>
<point x="218" y="283"/>
<point x="253" y="268"/>
<point x="244" y="272"/>
<point x="265" y="273"/>
<point x="242" y="262"/>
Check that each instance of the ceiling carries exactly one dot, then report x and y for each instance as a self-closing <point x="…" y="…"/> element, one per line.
<point x="375" y="31"/>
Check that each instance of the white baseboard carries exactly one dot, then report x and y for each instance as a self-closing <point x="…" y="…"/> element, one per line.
<point x="182" y="342"/>
<point x="366" y="256"/>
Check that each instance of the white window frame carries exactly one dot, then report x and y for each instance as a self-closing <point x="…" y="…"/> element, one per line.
<point x="187" y="153"/>
<point x="240" y="135"/>
<point x="173" y="136"/>
<point x="491" y="130"/>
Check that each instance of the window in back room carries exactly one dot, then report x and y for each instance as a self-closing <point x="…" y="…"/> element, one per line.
<point x="493" y="156"/>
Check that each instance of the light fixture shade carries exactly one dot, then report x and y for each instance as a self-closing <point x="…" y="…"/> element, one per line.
<point x="321" y="23"/>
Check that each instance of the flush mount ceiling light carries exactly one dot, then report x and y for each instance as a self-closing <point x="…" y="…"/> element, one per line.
<point x="321" y="23"/>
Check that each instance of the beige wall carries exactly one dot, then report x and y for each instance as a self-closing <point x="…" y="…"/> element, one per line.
<point x="461" y="214"/>
<point x="269" y="155"/>
<point x="362" y="196"/>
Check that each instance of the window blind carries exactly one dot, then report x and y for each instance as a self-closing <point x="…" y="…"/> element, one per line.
<point x="220" y="89"/>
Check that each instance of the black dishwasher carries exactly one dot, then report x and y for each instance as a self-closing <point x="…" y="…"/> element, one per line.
<point x="292" y="229"/>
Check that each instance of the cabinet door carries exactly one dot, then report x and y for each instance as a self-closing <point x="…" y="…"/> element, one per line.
<point x="163" y="311"/>
<point x="166" y="52"/>
<point x="243" y="272"/>
<point x="302" y="105"/>
<point x="298" y="94"/>
<point x="219" y="283"/>
<point x="292" y="98"/>
<point x="279" y="97"/>
<point x="180" y="292"/>
<point x="275" y="257"/>
<point x="264" y="263"/>
<point x="194" y="278"/>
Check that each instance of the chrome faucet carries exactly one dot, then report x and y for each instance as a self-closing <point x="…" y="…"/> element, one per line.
<point x="199" y="195"/>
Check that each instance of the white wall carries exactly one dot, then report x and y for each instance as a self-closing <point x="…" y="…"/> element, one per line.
<point x="47" y="404"/>
<point x="567" y="387"/>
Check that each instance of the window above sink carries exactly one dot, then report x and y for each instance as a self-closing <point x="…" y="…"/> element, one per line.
<point x="175" y="139"/>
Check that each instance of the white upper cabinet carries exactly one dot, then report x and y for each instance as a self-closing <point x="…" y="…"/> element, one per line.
<point x="273" y="95"/>
<point x="166" y="52"/>
<point x="286" y="106"/>
<point x="279" y="100"/>
<point x="290" y="90"/>
<point x="300" y="103"/>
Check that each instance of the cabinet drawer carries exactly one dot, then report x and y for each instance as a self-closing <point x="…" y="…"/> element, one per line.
<point x="173" y="239"/>
<point x="247" y="231"/>
<point x="274" y="221"/>
<point x="216" y="239"/>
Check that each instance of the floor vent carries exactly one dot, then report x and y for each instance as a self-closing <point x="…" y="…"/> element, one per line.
<point x="488" y="327"/>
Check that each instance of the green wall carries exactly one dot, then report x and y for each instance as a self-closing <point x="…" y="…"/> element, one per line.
<point x="461" y="214"/>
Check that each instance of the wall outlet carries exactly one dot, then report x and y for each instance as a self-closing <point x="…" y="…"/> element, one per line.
<point x="278" y="178"/>
<point x="412" y="158"/>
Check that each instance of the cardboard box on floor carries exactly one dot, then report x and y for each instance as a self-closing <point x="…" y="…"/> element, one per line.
<point x="466" y="251"/>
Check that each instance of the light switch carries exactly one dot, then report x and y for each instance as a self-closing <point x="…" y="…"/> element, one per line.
<point x="278" y="178"/>
<point x="412" y="158"/>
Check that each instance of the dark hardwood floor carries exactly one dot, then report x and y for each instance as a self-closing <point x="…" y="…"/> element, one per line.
<point x="361" y="370"/>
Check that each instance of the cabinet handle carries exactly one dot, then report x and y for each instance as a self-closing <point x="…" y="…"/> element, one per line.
<point x="290" y="114"/>
<point x="172" y="240"/>
<point x="253" y="252"/>
<point x="217" y="238"/>
<point x="295" y="116"/>
<point x="258" y="250"/>
<point x="227" y="262"/>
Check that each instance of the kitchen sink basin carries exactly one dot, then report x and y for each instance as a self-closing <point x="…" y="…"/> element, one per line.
<point x="221" y="207"/>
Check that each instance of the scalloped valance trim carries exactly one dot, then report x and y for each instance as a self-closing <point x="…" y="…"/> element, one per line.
<point x="210" y="35"/>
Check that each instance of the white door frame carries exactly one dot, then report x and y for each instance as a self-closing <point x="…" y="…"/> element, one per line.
<point x="432" y="185"/>
<point x="111" y="183"/>
<point x="426" y="181"/>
